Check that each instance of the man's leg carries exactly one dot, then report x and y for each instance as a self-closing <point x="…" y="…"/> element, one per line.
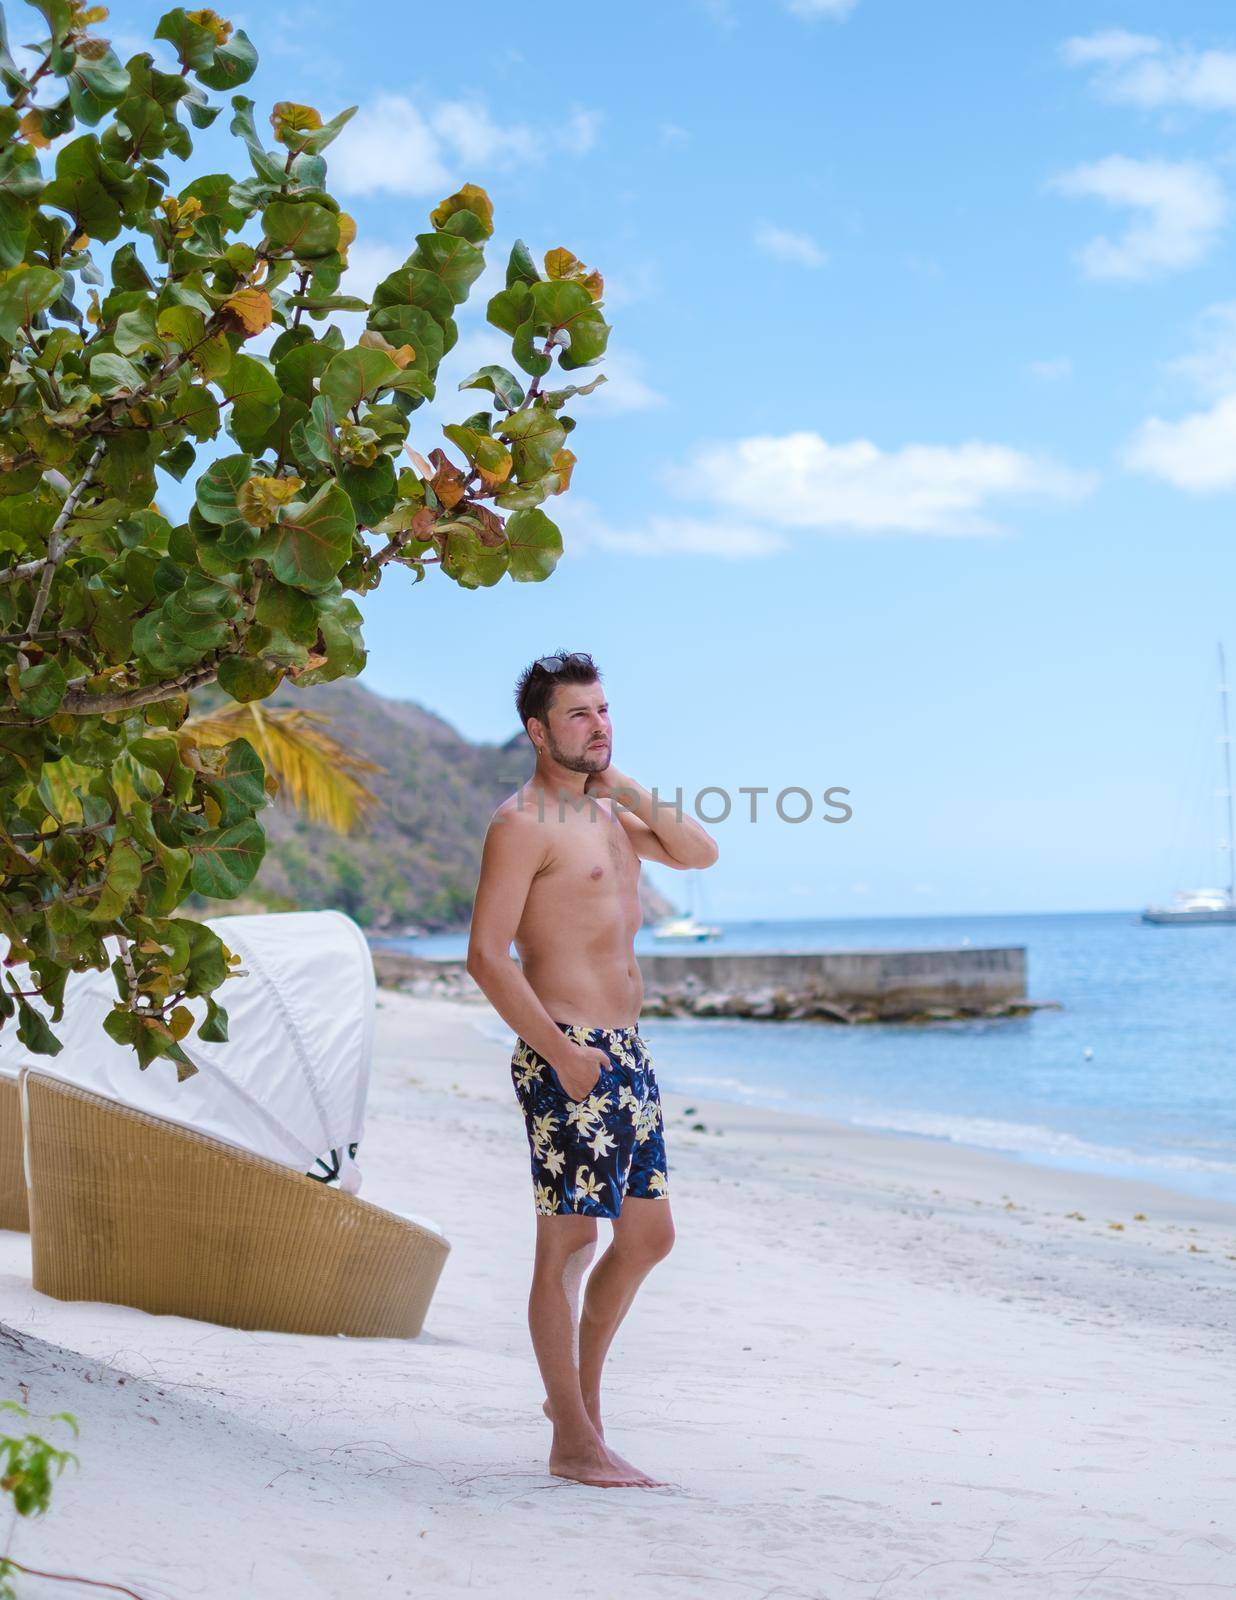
<point x="643" y="1235"/>
<point x="565" y="1244"/>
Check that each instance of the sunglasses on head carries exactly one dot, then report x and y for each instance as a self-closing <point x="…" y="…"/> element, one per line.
<point x="556" y="663"/>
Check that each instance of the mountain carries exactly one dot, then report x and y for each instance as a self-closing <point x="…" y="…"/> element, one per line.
<point x="415" y="861"/>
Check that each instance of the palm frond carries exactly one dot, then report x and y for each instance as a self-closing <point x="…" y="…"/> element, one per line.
<point x="316" y="774"/>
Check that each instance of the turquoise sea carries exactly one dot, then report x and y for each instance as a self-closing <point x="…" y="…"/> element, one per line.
<point x="1135" y="1076"/>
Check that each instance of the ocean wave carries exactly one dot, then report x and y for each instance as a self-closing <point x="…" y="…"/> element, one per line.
<point x="1030" y="1139"/>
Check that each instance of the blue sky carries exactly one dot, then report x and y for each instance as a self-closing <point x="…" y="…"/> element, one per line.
<point x="915" y="472"/>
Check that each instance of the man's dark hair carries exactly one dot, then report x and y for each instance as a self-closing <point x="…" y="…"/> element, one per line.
<point x="534" y="692"/>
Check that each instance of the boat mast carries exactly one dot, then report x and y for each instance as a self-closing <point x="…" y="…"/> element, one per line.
<point x="1226" y="741"/>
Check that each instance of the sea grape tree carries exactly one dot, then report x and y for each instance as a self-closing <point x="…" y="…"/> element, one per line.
<point x="154" y="335"/>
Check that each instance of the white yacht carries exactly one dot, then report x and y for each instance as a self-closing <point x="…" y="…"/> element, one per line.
<point x="1208" y="905"/>
<point x="687" y="926"/>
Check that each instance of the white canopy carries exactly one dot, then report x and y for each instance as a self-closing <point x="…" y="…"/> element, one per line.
<point x="291" y="1081"/>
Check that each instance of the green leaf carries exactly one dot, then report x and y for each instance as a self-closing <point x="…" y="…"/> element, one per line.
<point x="457" y="262"/>
<point x="42" y="688"/>
<point x="414" y="286"/>
<point x="245" y="679"/>
<point x="24" y="292"/>
<point x="535" y="546"/>
<point x="526" y="353"/>
<point x="82" y="188"/>
<point x="238" y="784"/>
<point x="226" y="860"/>
<point x="521" y="268"/>
<point x="311" y="541"/>
<point x="267" y="166"/>
<point x="254" y="392"/>
<point x="195" y="45"/>
<point x="353" y="375"/>
<point x="96" y="85"/>
<point x="184" y="326"/>
<point x="471" y="564"/>
<point x="370" y="489"/>
<point x="219" y="485"/>
<point x="112" y="374"/>
<point x="499" y="382"/>
<point x="34" y="1032"/>
<point x="305" y="229"/>
<point x="559" y="397"/>
<point x="509" y="308"/>
<point x="234" y="63"/>
<point x="554" y="304"/>
<point x="196" y="409"/>
<point x="135" y="331"/>
<point x="213" y="1029"/>
<point x="317" y="139"/>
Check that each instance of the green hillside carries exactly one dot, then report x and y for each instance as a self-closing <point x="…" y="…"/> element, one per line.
<point x="415" y="861"/>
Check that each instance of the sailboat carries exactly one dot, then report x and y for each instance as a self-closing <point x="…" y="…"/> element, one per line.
<point x="688" y="926"/>
<point x="1209" y="905"/>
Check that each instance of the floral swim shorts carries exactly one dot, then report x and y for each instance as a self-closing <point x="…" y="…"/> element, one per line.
<point x="588" y="1155"/>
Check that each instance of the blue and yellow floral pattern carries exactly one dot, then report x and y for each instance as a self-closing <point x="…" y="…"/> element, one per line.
<point x="587" y="1155"/>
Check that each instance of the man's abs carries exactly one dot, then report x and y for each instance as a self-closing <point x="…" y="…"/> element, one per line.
<point x="576" y="936"/>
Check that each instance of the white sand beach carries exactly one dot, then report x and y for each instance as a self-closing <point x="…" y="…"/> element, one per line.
<point x="872" y="1368"/>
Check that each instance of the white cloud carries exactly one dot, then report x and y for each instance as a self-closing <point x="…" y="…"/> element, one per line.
<point x="369" y="261"/>
<point x="1179" y="207"/>
<point x="390" y="147"/>
<point x="1211" y="366"/>
<point x="1112" y="47"/>
<point x="1139" y="69"/>
<point x="1196" y="452"/>
<point x="784" y="245"/>
<point x="674" y="136"/>
<point x="625" y="388"/>
<point x="1053" y="369"/>
<point x="799" y="481"/>
<point x="810" y="9"/>
<point x="585" y="527"/>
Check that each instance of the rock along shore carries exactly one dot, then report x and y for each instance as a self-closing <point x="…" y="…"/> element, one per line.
<point x="842" y="987"/>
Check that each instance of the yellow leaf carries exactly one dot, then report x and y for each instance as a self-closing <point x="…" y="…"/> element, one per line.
<point x="564" y="465"/>
<point x="31" y="128"/>
<point x="181" y="1022"/>
<point x="251" y="308"/>
<point x="213" y="23"/>
<point x="292" y="115"/>
<point x="595" y="285"/>
<point x="561" y="263"/>
<point x="259" y="499"/>
<point x="372" y="339"/>
<point x="491" y="477"/>
<point x="470" y="198"/>
<point x="347" y="231"/>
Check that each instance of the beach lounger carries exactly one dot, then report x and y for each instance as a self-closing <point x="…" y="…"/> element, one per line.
<point x="136" y="1210"/>
<point x="14" y="1213"/>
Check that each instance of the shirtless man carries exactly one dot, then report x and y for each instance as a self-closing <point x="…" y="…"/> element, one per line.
<point x="560" y="877"/>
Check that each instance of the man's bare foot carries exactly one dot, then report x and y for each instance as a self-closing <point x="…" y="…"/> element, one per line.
<point x="598" y="1465"/>
<point x="593" y="1416"/>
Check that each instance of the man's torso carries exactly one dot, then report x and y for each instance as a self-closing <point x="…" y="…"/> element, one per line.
<point x="576" y="937"/>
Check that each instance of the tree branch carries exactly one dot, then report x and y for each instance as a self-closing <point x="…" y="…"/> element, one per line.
<point x="55" y="554"/>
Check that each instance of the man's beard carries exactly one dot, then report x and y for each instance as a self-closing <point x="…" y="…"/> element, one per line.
<point x="594" y="759"/>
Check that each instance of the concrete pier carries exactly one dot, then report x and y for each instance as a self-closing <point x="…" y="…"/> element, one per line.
<point x="849" y="986"/>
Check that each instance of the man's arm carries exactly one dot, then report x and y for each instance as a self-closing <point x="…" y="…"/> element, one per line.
<point x="666" y="834"/>
<point x="513" y="852"/>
